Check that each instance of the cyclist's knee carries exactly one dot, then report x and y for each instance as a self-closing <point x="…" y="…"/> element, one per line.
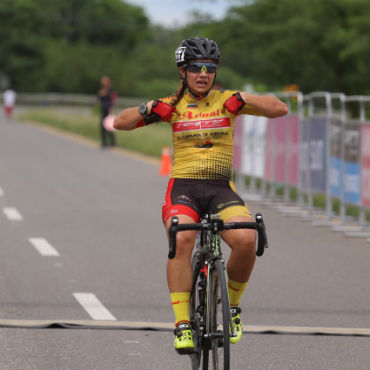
<point x="184" y="243"/>
<point x="242" y="241"/>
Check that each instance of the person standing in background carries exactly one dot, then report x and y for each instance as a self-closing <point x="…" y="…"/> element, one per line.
<point x="107" y="99"/>
<point x="9" y="97"/>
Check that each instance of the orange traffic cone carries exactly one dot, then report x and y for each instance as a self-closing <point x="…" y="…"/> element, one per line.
<point x="166" y="166"/>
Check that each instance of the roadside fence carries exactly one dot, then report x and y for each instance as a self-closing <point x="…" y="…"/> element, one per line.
<point x="313" y="162"/>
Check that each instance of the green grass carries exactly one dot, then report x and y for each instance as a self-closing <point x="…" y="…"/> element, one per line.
<point x="148" y="140"/>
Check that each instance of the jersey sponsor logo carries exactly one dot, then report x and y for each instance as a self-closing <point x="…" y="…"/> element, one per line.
<point x="215" y="123"/>
<point x="191" y="115"/>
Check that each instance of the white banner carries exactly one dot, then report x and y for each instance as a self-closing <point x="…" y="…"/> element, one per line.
<point x="253" y="146"/>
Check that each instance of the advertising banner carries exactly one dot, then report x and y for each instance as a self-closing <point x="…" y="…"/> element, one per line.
<point x="280" y="153"/>
<point x="275" y="149"/>
<point x="313" y="152"/>
<point x="260" y="146"/>
<point x="253" y="146"/>
<point x="238" y="142"/>
<point x="282" y="146"/>
<point x="365" y="165"/>
<point x="352" y="167"/>
<point x="293" y="149"/>
<point x="249" y="136"/>
<point x="335" y="162"/>
<point x="270" y="150"/>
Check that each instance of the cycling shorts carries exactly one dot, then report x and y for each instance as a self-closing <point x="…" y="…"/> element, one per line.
<point x="196" y="197"/>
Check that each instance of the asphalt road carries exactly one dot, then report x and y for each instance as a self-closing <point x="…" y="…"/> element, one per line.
<point x="82" y="239"/>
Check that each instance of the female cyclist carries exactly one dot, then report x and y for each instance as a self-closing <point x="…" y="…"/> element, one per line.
<point x="202" y="120"/>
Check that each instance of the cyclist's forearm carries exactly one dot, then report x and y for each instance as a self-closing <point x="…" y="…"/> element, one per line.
<point x="269" y="105"/>
<point x="128" y="119"/>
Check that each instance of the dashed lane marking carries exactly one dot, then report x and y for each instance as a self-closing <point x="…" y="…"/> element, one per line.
<point x="93" y="306"/>
<point x="43" y="247"/>
<point x="1" y="192"/>
<point x="12" y="214"/>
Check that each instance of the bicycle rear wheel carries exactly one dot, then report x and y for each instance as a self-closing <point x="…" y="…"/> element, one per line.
<point x="219" y="318"/>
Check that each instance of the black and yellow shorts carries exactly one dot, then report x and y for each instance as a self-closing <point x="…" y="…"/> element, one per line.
<point x="194" y="198"/>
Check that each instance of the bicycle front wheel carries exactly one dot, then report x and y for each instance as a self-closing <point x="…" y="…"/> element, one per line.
<point x="219" y="318"/>
<point x="199" y="359"/>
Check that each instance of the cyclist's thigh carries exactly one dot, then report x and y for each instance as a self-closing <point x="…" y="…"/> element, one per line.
<point x="227" y="203"/>
<point x="180" y="202"/>
<point x="232" y="208"/>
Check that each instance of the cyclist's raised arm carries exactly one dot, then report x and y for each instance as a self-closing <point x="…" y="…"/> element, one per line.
<point x="265" y="105"/>
<point x="131" y="118"/>
<point x="145" y="114"/>
<point x="269" y="105"/>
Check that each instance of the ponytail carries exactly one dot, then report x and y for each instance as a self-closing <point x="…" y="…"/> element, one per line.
<point x="179" y="93"/>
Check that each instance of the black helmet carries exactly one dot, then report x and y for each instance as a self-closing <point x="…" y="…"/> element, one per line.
<point x="197" y="48"/>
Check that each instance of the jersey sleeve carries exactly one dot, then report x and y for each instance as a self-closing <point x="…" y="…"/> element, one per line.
<point x="247" y="109"/>
<point x="167" y="100"/>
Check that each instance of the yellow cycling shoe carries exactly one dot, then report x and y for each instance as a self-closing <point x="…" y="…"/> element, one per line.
<point x="184" y="343"/>
<point x="238" y="327"/>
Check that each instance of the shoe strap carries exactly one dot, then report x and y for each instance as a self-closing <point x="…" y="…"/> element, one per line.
<point x="182" y="326"/>
<point x="235" y="310"/>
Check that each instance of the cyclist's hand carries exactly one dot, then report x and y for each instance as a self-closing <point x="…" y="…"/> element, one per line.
<point x="234" y="104"/>
<point x="163" y="110"/>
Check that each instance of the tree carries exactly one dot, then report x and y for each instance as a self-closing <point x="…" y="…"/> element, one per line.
<point x="318" y="45"/>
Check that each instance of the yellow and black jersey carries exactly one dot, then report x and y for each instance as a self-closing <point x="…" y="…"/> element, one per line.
<point x="203" y="136"/>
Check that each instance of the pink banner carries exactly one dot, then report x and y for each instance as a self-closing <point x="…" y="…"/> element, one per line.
<point x="282" y="150"/>
<point x="293" y="153"/>
<point x="365" y="165"/>
<point x="238" y="142"/>
<point x="269" y="155"/>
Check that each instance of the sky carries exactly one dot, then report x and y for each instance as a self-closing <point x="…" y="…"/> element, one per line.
<point x="173" y="13"/>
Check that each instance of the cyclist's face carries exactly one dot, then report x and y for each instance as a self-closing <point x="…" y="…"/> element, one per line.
<point x="200" y="81"/>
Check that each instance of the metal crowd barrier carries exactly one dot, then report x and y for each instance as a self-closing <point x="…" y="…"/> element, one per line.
<point x="322" y="147"/>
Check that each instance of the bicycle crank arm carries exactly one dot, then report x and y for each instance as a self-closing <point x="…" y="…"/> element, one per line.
<point x="219" y="334"/>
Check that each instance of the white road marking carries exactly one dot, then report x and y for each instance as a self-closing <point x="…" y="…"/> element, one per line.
<point x="43" y="247"/>
<point x="93" y="306"/>
<point x="1" y="192"/>
<point x="12" y="214"/>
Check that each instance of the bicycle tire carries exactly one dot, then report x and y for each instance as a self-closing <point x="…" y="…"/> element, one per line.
<point x="200" y="355"/>
<point x="220" y="318"/>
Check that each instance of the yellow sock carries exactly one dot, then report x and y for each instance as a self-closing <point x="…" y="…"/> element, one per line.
<point x="236" y="290"/>
<point x="180" y="304"/>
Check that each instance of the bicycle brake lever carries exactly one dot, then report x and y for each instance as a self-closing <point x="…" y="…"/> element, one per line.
<point x="172" y="237"/>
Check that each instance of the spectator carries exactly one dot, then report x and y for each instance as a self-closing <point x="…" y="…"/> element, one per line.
<point x="107" y="99"/>
<point x="9" y="97"/>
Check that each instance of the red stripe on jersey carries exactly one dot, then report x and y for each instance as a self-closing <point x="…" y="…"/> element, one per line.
<point x="202" y="124"/>
<point x="216" y="123"/>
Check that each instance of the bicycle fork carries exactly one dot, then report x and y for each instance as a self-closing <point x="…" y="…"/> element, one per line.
<point x="211" y="267"/>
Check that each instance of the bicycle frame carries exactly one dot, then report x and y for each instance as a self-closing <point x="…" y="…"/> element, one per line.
<point x="209" y="284"/>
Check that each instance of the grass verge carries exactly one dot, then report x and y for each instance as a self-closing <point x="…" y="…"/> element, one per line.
<point x="148" y="140"/>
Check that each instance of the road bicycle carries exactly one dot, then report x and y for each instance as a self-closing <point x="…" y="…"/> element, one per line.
<point x="210" y="313"/>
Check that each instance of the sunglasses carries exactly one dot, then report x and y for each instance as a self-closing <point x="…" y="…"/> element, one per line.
<point x="199" y="67"/>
